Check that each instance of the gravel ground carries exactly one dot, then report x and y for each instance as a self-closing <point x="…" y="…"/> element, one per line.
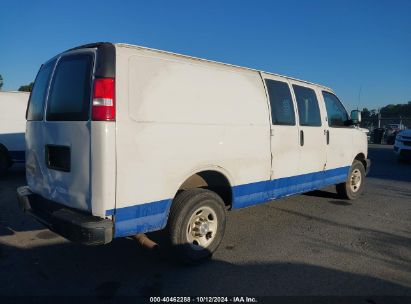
<point x="311" y="244"/>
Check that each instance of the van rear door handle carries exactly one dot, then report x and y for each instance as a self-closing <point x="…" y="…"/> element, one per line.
<point x="301" y="138"/>
<point x="327" y="134"/>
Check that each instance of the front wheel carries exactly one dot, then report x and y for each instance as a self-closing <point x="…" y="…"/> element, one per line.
<point x="196" y="224"/>
<point x="354" y="185"/>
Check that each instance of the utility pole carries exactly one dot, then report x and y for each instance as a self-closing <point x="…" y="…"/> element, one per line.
<point x="379" y="118"/>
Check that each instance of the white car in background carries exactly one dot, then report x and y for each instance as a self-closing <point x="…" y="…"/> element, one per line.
<point x="402" y="146"/>
<point x="12" y="128"/>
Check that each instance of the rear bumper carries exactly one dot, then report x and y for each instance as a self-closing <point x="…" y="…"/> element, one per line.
<point x="72" y="224"/>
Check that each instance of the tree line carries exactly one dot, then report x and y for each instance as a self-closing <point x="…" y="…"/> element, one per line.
<point x="389" y="111"/>
<point x="23" y="88"/>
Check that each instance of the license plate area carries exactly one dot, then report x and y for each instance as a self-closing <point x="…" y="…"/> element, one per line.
<point x="58" y="157"/>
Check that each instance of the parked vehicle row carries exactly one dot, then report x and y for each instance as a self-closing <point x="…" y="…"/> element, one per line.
<point x="385" y="134"/>
<point x="123" y="140"/>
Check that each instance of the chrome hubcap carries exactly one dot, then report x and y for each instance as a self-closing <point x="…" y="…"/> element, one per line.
<point x="356" y="180"/>
<point x="202" y="228"/>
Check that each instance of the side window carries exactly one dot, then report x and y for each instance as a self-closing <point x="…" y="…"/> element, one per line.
<point x="282" y="109"/>
<point x="308" y="109"/>
<point x="35" y="109"/>
<point x="337" y="115"/>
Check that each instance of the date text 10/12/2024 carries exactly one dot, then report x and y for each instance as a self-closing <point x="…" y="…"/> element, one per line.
<point x="236" y="299"/>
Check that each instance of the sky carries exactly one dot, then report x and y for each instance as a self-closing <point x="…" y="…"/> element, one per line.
<point x="361" y="49"/>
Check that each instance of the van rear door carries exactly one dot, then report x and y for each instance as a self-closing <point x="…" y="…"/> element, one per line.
<point x="58" y="135"/>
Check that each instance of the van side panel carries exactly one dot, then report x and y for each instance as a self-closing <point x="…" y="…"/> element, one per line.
<point x="360" y="144"/>
<point x="178" y="116"/>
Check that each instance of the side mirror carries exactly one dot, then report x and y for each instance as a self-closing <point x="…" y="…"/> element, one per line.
<point x="356" y="117"/>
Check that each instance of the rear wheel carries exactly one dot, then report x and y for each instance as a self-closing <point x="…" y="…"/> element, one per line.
<point x="196" y="224"/>
<point x="354" y="185"/>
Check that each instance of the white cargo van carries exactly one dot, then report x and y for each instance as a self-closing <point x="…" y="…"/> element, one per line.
<point x="12" y="128"/>
<point x="123" y="140"/>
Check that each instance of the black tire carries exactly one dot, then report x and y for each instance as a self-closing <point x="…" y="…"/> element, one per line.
<point x="348" y="191"/>
<point x="185" y="206"/>
<point x="5" y="162"/>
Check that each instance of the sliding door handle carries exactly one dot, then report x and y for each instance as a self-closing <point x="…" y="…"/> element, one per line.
<point x="327" y="135"/>
<point x="301" y="138"/>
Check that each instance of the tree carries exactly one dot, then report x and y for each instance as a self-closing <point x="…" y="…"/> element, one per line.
<point x="27" y="88"/>
<point x="396" y="111"/>
<point x="366" y="113"/>
<point x="1" y="82"/>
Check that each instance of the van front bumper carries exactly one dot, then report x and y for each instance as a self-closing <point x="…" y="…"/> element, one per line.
<point x="70" y="223"/>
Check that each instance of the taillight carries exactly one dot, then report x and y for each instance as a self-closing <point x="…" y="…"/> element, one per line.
<point x="103" y="99"/>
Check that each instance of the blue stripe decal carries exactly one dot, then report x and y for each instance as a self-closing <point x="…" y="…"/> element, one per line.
<point x="110" y="212"/>
<point x="140" y="218"/>
<point x="18" y="156"/>
<point x="153" y="216"/>
<point x="260" y="192"/>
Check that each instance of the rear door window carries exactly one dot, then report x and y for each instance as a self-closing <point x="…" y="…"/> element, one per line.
<point x="308" y="110"/>
<point x="282" y="109"/>
<point x="35" y="109"/>
<point x="70" y="90"/>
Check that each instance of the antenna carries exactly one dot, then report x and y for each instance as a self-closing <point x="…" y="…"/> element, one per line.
<point x="359" y="97"/>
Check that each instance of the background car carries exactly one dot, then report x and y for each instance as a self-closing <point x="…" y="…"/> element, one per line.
<point x="402" y="146"/>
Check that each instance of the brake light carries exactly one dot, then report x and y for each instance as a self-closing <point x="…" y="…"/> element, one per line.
<point x="103" y="99"/>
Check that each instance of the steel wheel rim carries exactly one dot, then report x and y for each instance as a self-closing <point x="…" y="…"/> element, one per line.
<point x="202" y="228"/>
<point x="355" y="180"/>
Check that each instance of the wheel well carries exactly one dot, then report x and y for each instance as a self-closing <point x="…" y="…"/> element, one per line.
<point x="5" y="152"/>
<point x="361" y="158"/>
<point x="211" y="180"/>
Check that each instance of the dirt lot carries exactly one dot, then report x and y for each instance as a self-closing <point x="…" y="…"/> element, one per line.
<point x="311" y="244"/>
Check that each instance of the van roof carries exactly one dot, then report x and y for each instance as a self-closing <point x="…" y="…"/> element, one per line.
<point x="217" y="62"/>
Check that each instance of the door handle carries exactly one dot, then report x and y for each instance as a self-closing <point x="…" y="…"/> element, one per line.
<point x="327" y="135"/>
<point x="301" y="138"/>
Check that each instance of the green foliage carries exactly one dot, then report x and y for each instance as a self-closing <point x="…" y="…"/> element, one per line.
<point x="389" y="111"/>
<point x="1" y="81"/>
<point x="398" y="110"/>
<point x="366" y="113"/>
<point x="27" y="88"/>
